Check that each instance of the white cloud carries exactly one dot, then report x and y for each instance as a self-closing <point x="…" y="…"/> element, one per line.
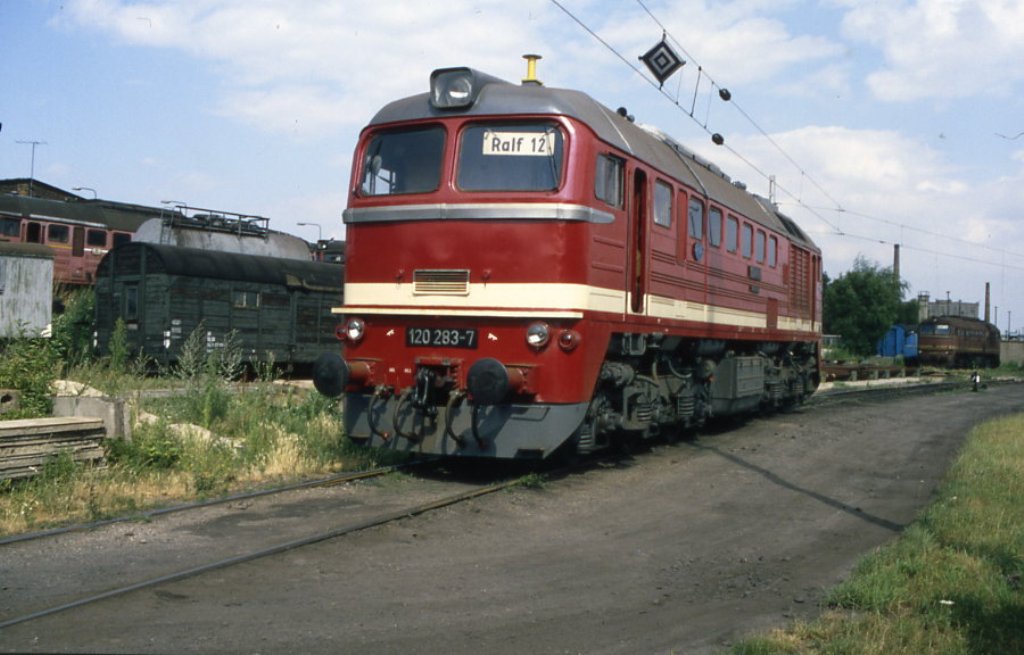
<point x="319" y="65"/>
<point x="890" y="189"/>
<point x="940" y="48"/>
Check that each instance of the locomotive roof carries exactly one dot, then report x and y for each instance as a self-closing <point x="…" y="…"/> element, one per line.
<point x="959" y="321"/>
<point x="100" y="213"/>
<point x="38" y="250"/>
<point x="648" y="144"/>
<point x="218" y="265"/>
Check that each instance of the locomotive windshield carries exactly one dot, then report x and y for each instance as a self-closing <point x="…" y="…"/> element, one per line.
<point x="510" y="157"/>
<point x="403" y="161"/>
<point x="935" y="328"/>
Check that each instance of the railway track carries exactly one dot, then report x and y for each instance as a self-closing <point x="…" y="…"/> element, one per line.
<point x="66" y="601"/>
<point x="333" y="532"/>
<point x="153" y="513"/>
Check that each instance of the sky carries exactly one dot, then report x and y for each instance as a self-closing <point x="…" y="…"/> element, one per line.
<point x="881" y="123"/>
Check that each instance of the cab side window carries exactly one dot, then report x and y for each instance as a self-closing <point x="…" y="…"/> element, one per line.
<point x="662" y="204"/>
<point x="608" y="180"/>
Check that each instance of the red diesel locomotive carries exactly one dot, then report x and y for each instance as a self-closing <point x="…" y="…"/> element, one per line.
<point x="958" y="341"/>
<point x="529" y="271"/>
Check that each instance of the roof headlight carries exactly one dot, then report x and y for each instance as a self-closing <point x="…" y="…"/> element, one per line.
<point x="457" y="88"/>
<point x="451" y="88"/>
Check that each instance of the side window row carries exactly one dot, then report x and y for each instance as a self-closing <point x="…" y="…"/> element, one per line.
<point x="609" y="187"/>
<point x="755" y="244"/>
<point x="56" y="233"/>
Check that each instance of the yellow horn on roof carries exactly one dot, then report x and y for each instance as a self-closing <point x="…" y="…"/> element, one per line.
<point x="531" y="70"/>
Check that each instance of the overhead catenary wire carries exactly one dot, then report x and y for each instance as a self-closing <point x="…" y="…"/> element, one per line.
<point x="797" y="199"/>
<point x="740" y="109"/>
<point x="904" y="226"/>
<point x="675" y="102"/>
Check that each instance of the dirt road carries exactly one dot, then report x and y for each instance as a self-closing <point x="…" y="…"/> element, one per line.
<point x="679" y="550"/>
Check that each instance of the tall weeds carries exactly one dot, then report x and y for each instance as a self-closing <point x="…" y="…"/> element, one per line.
<point x="248" y="435"/>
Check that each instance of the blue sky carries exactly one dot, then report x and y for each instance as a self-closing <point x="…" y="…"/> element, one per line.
<point x="882" y="122"/>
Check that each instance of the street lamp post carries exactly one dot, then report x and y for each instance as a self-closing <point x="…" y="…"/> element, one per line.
<point x="86" y="188"/>
<point x="319" y="230"/>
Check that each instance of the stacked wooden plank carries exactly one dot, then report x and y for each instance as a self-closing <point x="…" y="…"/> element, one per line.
<point x="26" y="445"/>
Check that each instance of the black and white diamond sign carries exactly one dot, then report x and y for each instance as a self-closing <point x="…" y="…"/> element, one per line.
<point x="662" y="61"/>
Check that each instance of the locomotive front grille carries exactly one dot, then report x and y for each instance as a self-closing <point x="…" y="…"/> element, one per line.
<point x="441" y="282"/>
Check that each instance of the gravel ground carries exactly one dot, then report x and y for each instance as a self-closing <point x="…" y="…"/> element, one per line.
<point x="681" y="549"/>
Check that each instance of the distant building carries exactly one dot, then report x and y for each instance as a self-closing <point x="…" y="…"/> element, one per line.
<point x="928" y="308"/>
<point x="23" y="186"/>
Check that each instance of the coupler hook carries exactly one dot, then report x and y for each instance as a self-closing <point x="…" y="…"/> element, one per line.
<point x="379" y="392"/>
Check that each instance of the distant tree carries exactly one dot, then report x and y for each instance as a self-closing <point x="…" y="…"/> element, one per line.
<point x="910" y="312"/>
<point x="861" y="304"/>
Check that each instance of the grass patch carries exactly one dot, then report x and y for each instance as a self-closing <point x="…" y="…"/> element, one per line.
<point x="266" y="436"/>
<point x="952" y="583"/>
<point x="532" y="481"/>
<point x="215" y="436"/>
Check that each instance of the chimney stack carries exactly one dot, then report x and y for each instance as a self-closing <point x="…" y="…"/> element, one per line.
<point x="987" y="298"/>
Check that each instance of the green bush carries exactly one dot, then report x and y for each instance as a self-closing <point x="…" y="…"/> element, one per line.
<point x="153" y="446"/>
<point x="73" y="328"/>
<point x="212" y="467"/>
<point x="30" y="366"/>
<point x="119" y="346"/>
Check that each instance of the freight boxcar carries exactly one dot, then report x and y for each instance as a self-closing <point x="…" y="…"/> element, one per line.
<point x="899" y="341"/>
<point x="279" y="308"/>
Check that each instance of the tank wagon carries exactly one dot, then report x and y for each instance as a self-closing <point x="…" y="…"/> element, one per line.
<point x="529" y="272"/>
<point x="277" y="307"/>
<point x="958" y="341"/>
<point x="222" y="231"/>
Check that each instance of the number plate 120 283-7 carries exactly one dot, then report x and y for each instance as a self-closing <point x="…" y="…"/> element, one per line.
<point x="441" y="337"/>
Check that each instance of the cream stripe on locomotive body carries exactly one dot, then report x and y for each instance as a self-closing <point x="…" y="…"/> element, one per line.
<point x="529" y="271"/>
<point x="560" y="301"/>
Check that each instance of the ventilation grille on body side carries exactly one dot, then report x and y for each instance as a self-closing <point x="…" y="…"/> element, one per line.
<point x="441" y="282"/>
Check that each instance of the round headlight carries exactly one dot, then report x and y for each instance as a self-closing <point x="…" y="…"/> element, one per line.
<point x="355" y="329"/>
<point x="537" y="335"/>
